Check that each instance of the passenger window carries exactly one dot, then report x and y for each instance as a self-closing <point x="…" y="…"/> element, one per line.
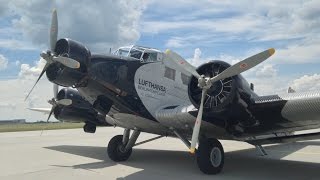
<point x="185" y="79"/>
<point x="170" y="73"/>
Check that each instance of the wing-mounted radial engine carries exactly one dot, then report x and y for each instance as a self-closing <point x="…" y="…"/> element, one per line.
<point x="79" y="111"/>
<point x="67" y="61"/>
<point x="63" y="75"/>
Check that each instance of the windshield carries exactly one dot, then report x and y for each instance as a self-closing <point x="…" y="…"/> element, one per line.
<point x="144" y="54"/>
<point x="135" y="53"/>
<point x="123" y="52"/>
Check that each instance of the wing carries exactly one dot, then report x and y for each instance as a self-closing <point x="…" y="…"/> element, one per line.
<point x="287" y="113"/>
<point x="284" y="118"/>
<point x="183" y="117"/>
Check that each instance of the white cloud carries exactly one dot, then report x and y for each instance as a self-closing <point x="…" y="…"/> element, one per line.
<point x="3" y="7"/>
<point x="197" y="54"/>
<point x="292" y="26"/>
<point x="196" y="60"/>
<point x="175" y="43"/>
<point x="98" y="24"/>
<point x="14" y="44"/>
<point x="3" y="62"/>
<point x="17" y="63"/>
<point x="31" y="72"/>
<point x="306" y="83"/>
<point x="303" y="52"/>
<point x="267" y="70"/>
<point x="14" y="91"/>
<point x="9" y="106"/>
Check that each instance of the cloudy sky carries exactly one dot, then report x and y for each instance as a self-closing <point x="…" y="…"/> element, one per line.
<point x="198" y="30"/>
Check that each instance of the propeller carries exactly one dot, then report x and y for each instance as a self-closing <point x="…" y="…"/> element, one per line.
<point x="244" y="65"/>
<point x="54" y="102"/>
<point x="182" y="63"/>
<point x="206" y="82"/>
<point x="50" y="56"/>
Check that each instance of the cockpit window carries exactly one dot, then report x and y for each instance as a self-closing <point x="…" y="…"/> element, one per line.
<point x="149" y="57"/>
<point x="144" y="54"/>
<point x="135" y="53"/>
<point x="123" y="52"/>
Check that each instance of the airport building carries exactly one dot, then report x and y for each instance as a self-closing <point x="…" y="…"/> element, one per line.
<point x="13" y="121"/>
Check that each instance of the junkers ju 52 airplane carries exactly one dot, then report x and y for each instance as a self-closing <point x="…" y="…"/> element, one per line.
<point x="145" y="90"/>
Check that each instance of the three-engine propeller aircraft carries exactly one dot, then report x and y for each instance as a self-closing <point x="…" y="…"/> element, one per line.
<point x="145" y="90"/>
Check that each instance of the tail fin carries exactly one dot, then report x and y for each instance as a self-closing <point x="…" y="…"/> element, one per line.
<point x="290" y="90"/>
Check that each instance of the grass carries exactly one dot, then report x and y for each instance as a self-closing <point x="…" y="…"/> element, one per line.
<point x="38" y="126"/>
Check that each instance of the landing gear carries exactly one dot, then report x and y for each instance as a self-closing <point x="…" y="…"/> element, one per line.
<point x="89" y="128"/>
<point x="116" y="149"/>
<point x="210" y="156"/>
<point x="120" y="146"/>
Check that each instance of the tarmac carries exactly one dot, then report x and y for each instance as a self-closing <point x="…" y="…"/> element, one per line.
<point x="73" y="154"/>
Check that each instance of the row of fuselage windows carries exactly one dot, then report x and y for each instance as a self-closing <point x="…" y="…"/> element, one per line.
<point x="171" y="74"/>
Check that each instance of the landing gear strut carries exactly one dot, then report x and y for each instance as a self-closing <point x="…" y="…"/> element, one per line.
<point x="210" y="156"/>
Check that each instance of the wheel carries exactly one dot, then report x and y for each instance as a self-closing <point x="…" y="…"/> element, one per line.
<point x="89" y="128"/>
<point x="116" y="150"/>
<point x="210" y="156"/>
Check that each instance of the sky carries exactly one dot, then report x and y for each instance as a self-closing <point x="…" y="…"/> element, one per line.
<point x="198" y="30"/>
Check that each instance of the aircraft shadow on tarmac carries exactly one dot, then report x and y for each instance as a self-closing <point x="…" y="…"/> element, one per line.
<point x="157" y="164"/>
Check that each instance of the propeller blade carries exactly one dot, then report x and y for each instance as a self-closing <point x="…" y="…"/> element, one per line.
<point x="41" y="74"/>
<point x="55" y="90"/>
<point x="52" y="109"/>
<point x="53" y="30"/>
<point x="197" y="125"/>
<point x="65" y="102"/>
<point x="71" y="63"/>
<point x="182" y="63"/>
<point x="244" y="65"/>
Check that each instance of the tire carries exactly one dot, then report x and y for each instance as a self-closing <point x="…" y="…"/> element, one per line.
<point x="116" y="149"/>
<point x="210" y="156"/>
<point x="89" y="128"/>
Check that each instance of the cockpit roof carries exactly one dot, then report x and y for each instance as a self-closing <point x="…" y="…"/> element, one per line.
<point x="144" y="54"/>
<point x="142" y="48"/>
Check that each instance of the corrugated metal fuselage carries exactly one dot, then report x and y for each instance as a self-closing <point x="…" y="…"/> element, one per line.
<point x="143" y="97"/>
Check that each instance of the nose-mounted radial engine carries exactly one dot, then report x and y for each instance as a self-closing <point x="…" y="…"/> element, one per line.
<point x="222" y="92"/>
<point x="208" y="84"/>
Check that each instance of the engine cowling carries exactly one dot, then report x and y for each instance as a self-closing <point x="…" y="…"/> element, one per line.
<point x="79" y="111"/>
<point x="65" y="76"/>
<point x="220" y="95"/>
